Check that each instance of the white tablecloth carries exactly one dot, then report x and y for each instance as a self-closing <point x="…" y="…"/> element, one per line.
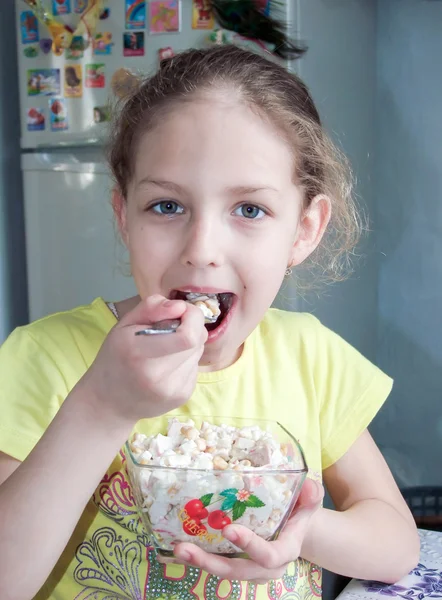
<point x="425" y="581"/>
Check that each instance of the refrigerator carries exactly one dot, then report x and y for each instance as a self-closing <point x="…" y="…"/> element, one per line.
<point x="72" y="249"/>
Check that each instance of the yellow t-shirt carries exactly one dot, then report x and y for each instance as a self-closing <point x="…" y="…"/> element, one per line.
<point x="292" y="369"/>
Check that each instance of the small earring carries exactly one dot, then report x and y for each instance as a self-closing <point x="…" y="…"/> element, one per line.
<point x="288" y="271"/>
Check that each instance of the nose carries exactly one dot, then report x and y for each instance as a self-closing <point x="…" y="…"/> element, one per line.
<point x="203" y="244"/>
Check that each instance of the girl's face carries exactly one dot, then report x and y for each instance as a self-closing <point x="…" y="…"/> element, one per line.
<point x="212" y="207"/>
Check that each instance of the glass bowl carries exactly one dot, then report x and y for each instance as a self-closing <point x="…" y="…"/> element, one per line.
<point x="185" y="504"/>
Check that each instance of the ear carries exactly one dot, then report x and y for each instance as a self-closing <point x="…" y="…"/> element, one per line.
<point x="119" y="208"/>
<point x="311" y="228"/>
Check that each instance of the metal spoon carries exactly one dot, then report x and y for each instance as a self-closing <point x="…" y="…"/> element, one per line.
<point x="168" y="326"/>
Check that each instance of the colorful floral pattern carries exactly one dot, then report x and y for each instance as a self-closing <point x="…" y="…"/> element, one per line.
<point x="429" y="585"/>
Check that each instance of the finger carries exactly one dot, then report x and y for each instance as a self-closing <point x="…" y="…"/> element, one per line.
<point x="308" y="503"/>
<point x="153" y="309"/>
<point x="225" y="568"/>
<point x="191" y="332"/>
<point x="269" y="555"/>
<point x="309" y="500"/>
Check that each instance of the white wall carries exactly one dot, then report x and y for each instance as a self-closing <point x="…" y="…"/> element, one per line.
<point x="409" y="204"/>
<point x="339" y="69"/>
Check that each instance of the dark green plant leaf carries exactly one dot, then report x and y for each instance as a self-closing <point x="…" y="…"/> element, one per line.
<point x="254" y="502"/>
<point x="239" y="508"/>
<point x="206" y="499"/>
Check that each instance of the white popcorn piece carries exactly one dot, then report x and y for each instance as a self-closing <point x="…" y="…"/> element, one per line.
<point x="145" y="457"/>
<point x="160" y="444"/>
<point x="174" y="428"/>
<point x="188" y="447"/>
<point x="244" y="443"/>
<point x="179" y="460"/>
<point x="203" y="461"/>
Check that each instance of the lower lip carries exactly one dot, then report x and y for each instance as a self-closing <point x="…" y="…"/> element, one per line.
<point x="219" y="331"/>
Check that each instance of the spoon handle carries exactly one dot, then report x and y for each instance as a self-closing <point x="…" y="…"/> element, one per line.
<point x="166" y="326"/>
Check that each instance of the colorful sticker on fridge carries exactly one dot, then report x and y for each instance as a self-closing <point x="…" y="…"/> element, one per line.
<point x="102" y="44"/>
<point x="202" y="15"/>
<point x="133" y="43"/>
<point x="76" y="49"/>
<point x="94" y="76"/>
<point x="124" y="83"/>
<point x="58" y="114"/>
<point x="35" y="119"/>
<point x="101" y="114"/>
<point x="30" y="51"/>
<point x="105" y="14"/>
<point x="164" y="16"/>
<point x="135" y="14"/>
<point x="61" y="7"/>
<point x="29" y="27"/>
<point x="43" y="82"/>
<point x="73" y="81"/>
<point x="45" y="45"/>
<point x="80" y="6"/>
<point x="164" y="53"/>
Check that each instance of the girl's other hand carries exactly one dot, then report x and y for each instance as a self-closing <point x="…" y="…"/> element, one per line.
<point x="135" y="377"/>
<point x="267" y="560"/>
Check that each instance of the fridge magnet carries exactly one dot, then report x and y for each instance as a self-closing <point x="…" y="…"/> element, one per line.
<point x="105" y="14"/>
<point x="164" y="53"/>
<point x="102" y="44"/>
<point x="58" y="114"/>
<point x="61" y="7"/>
<point x="35" y="119"/>
<point x="30" y="51"/>
<point x="164" y="16"/>
<point x="28" y="27"/>
<point x="133" y="43"/>
<point x="77" y="47"/>
<point x="43" y="82"/>
<point x="45" y="45"/>
<point x="73" y="84"/>
<point x="135" y="14"/>
<point x="61" y="33"/>
<point x="101" y="114"/>
<point x="94" y="76"/>
<point x="124" y="83"/>
<point x="80" y="6"/>
<point x="202" y="15"/>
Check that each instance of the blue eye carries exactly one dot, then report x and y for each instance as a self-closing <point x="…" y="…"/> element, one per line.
<point x="250" y="211"/>
<point x="167" y="207"/>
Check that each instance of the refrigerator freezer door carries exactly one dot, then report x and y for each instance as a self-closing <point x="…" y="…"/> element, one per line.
<point x="73" y="251"/>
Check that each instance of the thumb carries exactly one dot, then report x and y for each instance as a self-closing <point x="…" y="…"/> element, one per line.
<point x="153" y="309"/>
<point x="309" y="500"/>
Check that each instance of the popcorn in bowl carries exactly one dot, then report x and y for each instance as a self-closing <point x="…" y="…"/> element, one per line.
<point x="199" y="478"/>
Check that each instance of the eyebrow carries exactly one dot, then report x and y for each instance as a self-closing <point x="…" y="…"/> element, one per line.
<point x="168" y="185"/>
<point x="240" y="190"/>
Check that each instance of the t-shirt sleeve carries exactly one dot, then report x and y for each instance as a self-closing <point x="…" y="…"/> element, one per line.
<point x="32" y="390"/>
<point x="350" y="389"/>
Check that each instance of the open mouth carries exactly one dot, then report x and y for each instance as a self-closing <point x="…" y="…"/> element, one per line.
<point x="214" y="306"/>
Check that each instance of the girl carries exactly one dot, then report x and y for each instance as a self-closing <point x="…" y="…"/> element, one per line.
<point x="224" y="179"/>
